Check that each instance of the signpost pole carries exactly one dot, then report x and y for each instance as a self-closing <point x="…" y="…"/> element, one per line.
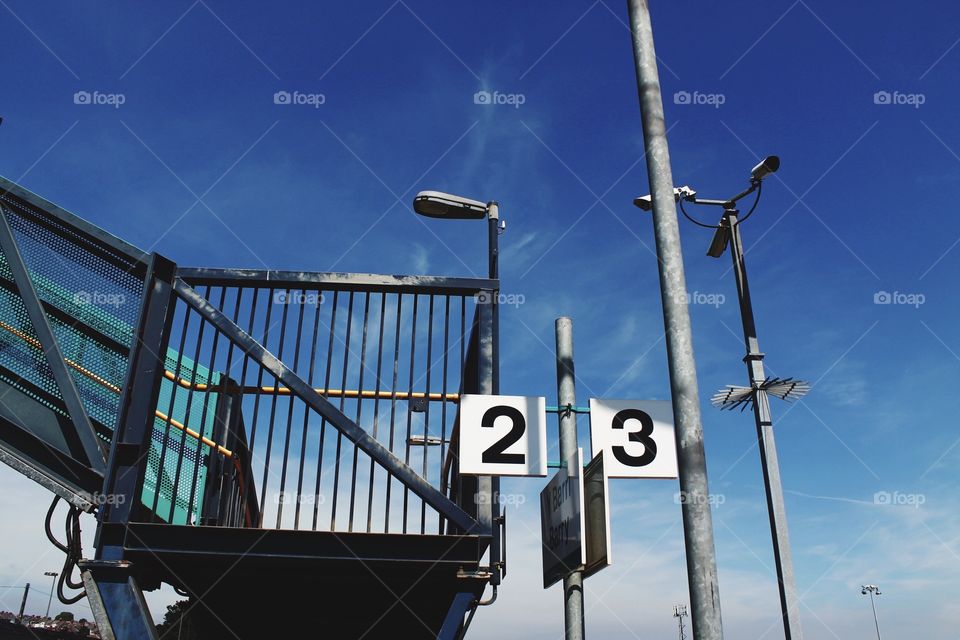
<point x="567" y="398"/>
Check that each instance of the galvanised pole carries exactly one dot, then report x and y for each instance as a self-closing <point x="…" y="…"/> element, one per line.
<point x="567" y="397"/>
<point x="695" y="506"/>
<point x="789" y="605"/>
<point x="23" y="603"/>
<point x="876" y="622"/>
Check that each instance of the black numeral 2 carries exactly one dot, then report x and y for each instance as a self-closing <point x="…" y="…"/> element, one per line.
<point x="495" y="454"/>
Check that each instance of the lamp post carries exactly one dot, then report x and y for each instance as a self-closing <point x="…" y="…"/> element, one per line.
<point x="436" y="204"/>
<point x="872" y="589"/>
<point x="53" y="585"/>
<point x="761" y="387"/>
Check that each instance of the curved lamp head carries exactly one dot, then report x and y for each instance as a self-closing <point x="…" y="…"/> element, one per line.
<point x="768" y="165"/>
<point x="436" y="204"/>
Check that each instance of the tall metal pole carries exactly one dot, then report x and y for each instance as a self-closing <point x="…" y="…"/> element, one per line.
<point x="873" y="589"/>
<point x="789" y="604"/>
<point x="567" y="397"/>
<point x="697" y="520"/>
<point x="23" y="603"/>
<point x="53" y="586"/>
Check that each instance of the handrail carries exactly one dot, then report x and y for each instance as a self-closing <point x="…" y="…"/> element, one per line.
<point x="330" y="393"/>
<point x="114" y="388"/>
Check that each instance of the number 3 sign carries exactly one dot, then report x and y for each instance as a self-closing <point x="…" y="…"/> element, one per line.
<point x="503" y="436"/>
<point x="636" y="437"/>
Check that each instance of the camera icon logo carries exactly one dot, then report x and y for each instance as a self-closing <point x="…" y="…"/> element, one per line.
<point x="882" y="97"/>
<point x="682" y="97"/>
<point x="882" y="297"/>
<point x="281" y="97"/>
<point x="882" y="498"/>
<point x="81" y="97"/>
<point x="482" y="97"/>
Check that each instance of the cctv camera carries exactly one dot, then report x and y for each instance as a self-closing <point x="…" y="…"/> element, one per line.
<point x="767" y="166"/>
<point x="679" y="193"/>
<point x="644" y="202"/>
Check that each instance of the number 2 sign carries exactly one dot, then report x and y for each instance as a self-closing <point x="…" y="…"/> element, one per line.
<point x="636" y="437"/>
<point x="503" y="436"/>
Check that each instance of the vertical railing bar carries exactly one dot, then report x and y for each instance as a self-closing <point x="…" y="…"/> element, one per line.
<point x="173" y="395"/>
<point x="376" y="405"/>
<point x="426" y="416"/>
<point x="306" y="416"/>
<point x="443" y="403"/>
<point x="343" y="399"/>
<point x="256" y="397"/>
<point x="323" y="420"/>
<point x="228" y="518"/>
<point x="406" y="456"/>
<point x="290" y="402"/>
<point x="363" y="366"/>
<point x="203" y="413"/>
<point x="251" y="443"/>
<point x="186" y="413"/>
<point x="393" y="406"/>
<point x="273" y="405"/>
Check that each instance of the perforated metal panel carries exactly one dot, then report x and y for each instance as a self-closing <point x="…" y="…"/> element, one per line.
<point x="90" y="287"/>
<point x="176" y="461"/>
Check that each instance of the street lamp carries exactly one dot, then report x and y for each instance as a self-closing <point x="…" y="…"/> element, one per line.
<point x="436" y="204"/>
<point x="53" y="586"/>
<point x="873" y="590"/>
<point x="761" y="387"/>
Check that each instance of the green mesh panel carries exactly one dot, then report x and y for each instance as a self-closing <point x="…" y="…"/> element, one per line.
<point x="192" y="465"/>
<point x="27" y="361"/>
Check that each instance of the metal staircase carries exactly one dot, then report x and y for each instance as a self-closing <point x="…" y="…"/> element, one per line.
<point x="276" y="445"/>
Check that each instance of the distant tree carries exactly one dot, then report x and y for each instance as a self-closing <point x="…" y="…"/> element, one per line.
<point x="176" y="622"/>
<point x="64" y="615"/>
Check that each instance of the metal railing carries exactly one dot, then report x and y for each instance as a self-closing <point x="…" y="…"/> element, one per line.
<point x="232" y="445"/>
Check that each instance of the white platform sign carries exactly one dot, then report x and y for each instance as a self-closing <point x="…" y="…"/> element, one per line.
<point x="562" y="522"/>
<point x="636" y="437"/>
<point x="503" y="435"/>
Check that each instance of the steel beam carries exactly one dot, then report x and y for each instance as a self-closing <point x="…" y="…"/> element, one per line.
<point x="80" y="226"/>
<point x="131" y="440"/>
<point x="202" y="276"/>
<point x="116" y="601"/>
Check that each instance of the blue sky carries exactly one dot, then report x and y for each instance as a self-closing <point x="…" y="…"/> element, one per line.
<point x="200" y="164"/>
